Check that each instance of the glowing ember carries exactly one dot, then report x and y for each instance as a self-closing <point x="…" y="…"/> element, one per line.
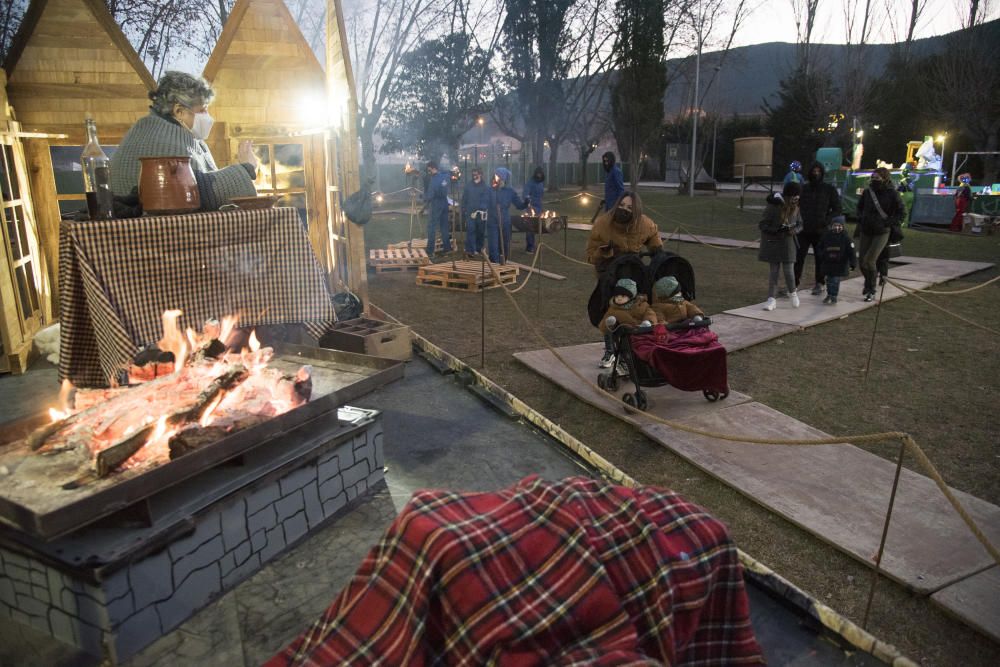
<point x="201" y="401"/>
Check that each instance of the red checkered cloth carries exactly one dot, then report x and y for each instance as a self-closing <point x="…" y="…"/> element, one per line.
<point x="542" y="573"/>
<point x="116" y="278"/>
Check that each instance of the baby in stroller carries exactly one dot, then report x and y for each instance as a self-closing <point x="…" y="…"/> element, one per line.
<point x="627" y="307"/>
<point x="689" y="358"/>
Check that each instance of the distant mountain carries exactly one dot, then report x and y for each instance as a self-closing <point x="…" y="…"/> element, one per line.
<point x="752" y="73"/>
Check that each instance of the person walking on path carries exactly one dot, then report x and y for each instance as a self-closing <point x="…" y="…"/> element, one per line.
<point x="818" y="203"/>
<point x="621" y="230"/>
<point x="835" y="254"/>
<point x="778" y="242"/>
<point x="534" y="191"/>
<point x="879" y="209"/>
<point x="614" y="181"/>
<point x="498" y="225"/>
<point x="477" y="202"/>
<point x="436" y="194"/>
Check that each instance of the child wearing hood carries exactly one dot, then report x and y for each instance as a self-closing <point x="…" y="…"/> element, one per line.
<point x="498" y="225"/>
<point x="670" y="305"/>
<point x="533" y="192"/>
<point x="836" y="253"/>
<point x="627" y="308"/>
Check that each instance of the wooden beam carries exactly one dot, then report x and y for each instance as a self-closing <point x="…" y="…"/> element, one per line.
<point x="225" y="39"/>
<point x="41" y="180"/>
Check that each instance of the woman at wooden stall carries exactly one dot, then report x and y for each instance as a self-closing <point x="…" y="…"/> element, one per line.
<point x="178" y="125"/>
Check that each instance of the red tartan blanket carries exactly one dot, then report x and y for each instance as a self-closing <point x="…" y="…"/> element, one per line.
<point x="542" y="573"/>
<point x="690" y="360"/>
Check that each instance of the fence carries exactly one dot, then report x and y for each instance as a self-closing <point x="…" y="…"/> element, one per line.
<point x="389" y="177"/>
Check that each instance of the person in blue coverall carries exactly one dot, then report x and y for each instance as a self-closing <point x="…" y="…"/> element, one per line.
<point x="498" y="226"/>
<point x="533" y="192"/>
<point x="477" y="202"/>
<point x="436" y="194"/>
<point x="614" y="182"/>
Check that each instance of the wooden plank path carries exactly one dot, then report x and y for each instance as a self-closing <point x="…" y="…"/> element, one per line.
<point x="836" y="492"/>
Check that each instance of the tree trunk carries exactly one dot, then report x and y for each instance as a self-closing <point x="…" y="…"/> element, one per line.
<point x="368" y="165"/>
<point x="584" y="155"/>
<point x="553" y="167"/>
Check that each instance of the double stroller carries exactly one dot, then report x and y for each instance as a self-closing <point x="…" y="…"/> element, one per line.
<point x="691" y="360"/>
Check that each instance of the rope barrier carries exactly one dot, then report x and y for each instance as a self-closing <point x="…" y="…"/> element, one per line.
<point x="913" y="292"/>
<point x="527" y="279"/>
<point x="897" y="436"/>
<point x="949" y="293"/>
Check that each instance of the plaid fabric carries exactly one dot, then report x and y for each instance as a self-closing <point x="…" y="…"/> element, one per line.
<point x="118" y="276"/>
<point x="571" y="572"/>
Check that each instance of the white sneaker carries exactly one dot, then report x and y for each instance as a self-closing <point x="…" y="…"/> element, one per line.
<point x="771" y="303"/>
<point x="606" y="361"/>
<point x="794" y="296"/>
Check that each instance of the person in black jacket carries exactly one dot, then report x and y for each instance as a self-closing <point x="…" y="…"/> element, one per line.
<point x="818" y="203"/>
<point x="835" y="254"/>
<point x="879" y="209"/>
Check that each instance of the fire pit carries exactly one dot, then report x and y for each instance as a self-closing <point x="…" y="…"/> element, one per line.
<point x="546" y="223"/>
<point x="109" y="562"/>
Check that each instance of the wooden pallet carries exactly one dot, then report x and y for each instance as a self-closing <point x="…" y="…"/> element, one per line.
<point x="397" y="259"/>
<point x="464" y="276"/>
<point x="421" y="243"/>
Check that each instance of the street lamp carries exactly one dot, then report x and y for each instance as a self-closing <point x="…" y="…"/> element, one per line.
<point x="697" y="104"/>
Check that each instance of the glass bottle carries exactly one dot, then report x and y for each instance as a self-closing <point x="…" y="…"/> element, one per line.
<point x="96" y="176"/>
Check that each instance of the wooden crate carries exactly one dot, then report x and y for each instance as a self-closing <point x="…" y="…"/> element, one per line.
<point x="372" y="337"/>
<point x="397" y="259"/>
<point x="465" y="276"/>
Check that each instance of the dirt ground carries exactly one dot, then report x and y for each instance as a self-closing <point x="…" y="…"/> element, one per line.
<point x="931" y="375"/>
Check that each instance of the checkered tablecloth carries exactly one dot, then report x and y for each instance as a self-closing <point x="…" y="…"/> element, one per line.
<point x="117" y="277"/>
<point x="574" y="572"/>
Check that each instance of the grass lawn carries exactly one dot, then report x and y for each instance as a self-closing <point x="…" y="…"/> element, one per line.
<point x="931" y="375"/>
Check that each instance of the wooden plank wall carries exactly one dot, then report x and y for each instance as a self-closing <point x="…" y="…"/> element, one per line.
<point x="268" y="84"/>
<point x="73" y="64"/>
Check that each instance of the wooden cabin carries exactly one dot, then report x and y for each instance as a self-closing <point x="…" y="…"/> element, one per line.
<point x="70" y="60"/>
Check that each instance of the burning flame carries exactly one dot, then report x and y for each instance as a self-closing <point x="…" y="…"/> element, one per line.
<point x="173" y="340"/>
<point x="65" y="408"/>
<point x="254" y="343"/>
<point x="206" y="418"/>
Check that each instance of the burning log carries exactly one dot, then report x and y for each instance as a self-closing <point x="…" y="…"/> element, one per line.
<point x="113" y="456"/>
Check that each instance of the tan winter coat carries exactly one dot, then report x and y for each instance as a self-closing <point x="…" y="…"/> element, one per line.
<point x="670" y="312"/>
<point x="608" y="240"/>
<point x="630" y="317"/>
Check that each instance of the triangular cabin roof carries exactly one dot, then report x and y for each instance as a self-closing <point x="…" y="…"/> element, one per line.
<point x="262" y="69"/>
<point x="70" y="58"/>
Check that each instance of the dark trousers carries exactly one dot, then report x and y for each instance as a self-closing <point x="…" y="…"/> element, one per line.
<point x="832" y="285"/>
<point x="808" y="240"/>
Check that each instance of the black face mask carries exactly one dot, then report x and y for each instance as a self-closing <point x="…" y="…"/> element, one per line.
<point x="815" y="177"/>
<point x="607" y="165"/>
<point x="876" y="185"/>
<point x="622" y="217"/>
<point x="539" y="176"/>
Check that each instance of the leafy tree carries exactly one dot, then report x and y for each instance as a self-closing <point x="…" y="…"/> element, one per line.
<point x="10" y="20"/>
<point x="536" y="62"/>
<point x="440" y="91"/>
<point x="804" y="117"/>
<point x="637" y="93"/>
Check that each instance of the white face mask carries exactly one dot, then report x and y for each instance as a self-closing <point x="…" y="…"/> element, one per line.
<point x="202" y="125"/>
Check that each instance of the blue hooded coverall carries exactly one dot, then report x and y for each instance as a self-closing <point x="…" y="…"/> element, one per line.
<point x="477" y="203"/>
<point x="498" y="226"/>
<point x="436" y="195"/>
<point x="533" y="192"/>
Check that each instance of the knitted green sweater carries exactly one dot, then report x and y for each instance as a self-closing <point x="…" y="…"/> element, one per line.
<point x="154" y="136"/>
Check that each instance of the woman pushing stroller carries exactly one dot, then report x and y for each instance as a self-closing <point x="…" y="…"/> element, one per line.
<point x="622" y="229"/>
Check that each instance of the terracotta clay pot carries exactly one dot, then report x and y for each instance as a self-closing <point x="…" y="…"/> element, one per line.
<point x="167" y="186"/>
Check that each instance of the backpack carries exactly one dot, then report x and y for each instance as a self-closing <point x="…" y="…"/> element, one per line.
<point x="358" y="207"/>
